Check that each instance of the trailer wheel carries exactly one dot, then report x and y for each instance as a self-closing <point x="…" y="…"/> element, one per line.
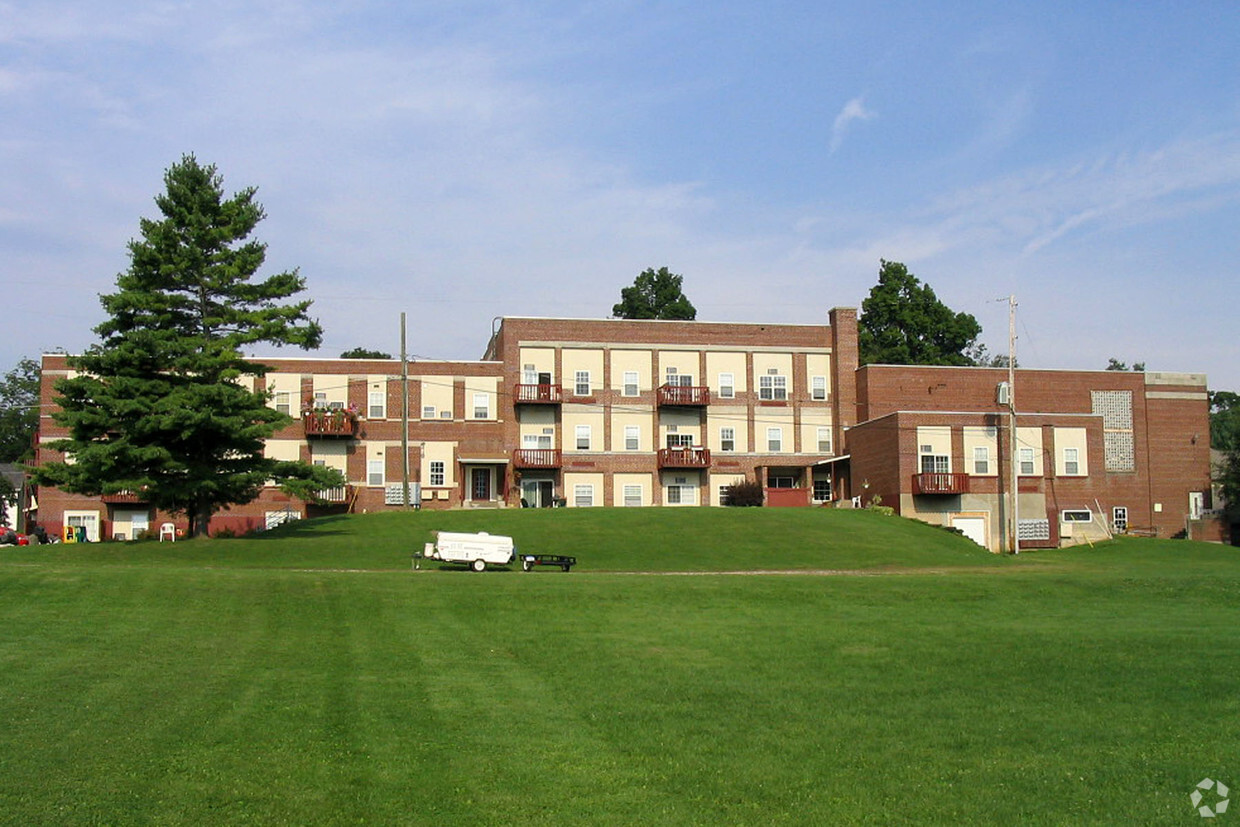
<point x="526" y="565"/>
<point x="478" y="565"/>
<point x="566" y="567"/>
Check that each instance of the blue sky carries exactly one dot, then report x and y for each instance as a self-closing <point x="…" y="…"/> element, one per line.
<point x="465" y="160"/>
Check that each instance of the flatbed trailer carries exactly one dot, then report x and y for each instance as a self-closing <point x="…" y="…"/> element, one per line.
<point x="528" y="561"/>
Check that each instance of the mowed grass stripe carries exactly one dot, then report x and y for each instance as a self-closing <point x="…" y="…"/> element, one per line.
<point x="1087" y="686"/>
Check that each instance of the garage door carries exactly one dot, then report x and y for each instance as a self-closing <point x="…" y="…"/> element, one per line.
<point x="972" y="527"/>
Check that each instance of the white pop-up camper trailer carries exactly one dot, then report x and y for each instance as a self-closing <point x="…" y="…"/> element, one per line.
<point x="476" y="550"/>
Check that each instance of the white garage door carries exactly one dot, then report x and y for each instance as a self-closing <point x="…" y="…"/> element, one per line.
<point x="972" y="527"/>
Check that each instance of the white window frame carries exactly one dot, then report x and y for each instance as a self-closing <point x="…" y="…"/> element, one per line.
<point x="1119" y="519"/>
<point x="438" y="472"/>
<point x="824" y="439"/>
<point x="773" y="387"/>
<point x="1072" y="462"/>
<point x="428" y="411"/>
<point x="818" y="388"/>
<point x="679" y="440"/>
<point x="632" y="495"/>
<point x="581" y="383"/>
<point x="814" y="488"/>
<point x="377" y="407"/>
<point x="583" y="495"/>
<point x="284" y="402"/>
<point x="774" y="440"/>
<point x="482" y="406"/>
<point x="375" y="472"/>
<point x="582" y="437"/>
<point x="632" y="437"/>
<point x="932" y="463"/>
<point x="727" y="386"/>
<point x="727" y="439"/>
<point x="681" y="493"/>
<point x="632" y="386"/>
<point x="1027" y="466"/>
<point x="535" y="441"/>
<point x="981" y="460"/>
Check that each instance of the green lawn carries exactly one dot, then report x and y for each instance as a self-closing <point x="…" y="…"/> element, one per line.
<point x="311" y="677"/>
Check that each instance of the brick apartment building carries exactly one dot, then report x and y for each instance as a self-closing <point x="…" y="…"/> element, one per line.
<point x="581" y="413"/>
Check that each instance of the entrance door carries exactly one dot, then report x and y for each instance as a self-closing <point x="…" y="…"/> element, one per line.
<point x="480" y="484"/>
<point x="972" y="527"/>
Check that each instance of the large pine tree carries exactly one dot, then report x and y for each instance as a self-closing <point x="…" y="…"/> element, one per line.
<point x="165" y="403"/>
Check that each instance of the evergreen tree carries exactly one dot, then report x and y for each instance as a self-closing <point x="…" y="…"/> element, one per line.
<point x="166" y="404"/>
<point x="904" y="323"/>
<point x="655" y="294"/>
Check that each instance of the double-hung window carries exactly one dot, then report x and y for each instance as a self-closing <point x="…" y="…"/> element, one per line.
<point x="1071" y="462"/>
<point x="482" y="406"/>
<point x="374" y="472"/>
<point x="583" y="495"/>
<point x="377" y="409"/>
<point x="981" y="460"/>
<point x="632" y="437"/>
<point x="630" y="383"/>
<point x="632" y="496"/>
<point x="773" y="387"/>
<point x="824" y="440"/>
<point x="437" y="472"/>
<point x="774" y="439"/>
<point x="818" y="388"/>
<point x="727" y="439"/>
<point x="581" y="383"/>
<point x="727" y="386"/>
<point x="583" y="437"/>
<point x="1026" y="462"/>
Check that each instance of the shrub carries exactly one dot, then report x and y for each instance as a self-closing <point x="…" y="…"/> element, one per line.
<point x="744" y="494"/>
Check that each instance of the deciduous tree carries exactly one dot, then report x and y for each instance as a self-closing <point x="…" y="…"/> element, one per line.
<point x="1224" y="420"/>
<point x="364" y="353"/>
<point x="19" y="411"/>
<point x="166" y="404"/>
<point x="903" y="323"/>
<point x="655" y="294"/>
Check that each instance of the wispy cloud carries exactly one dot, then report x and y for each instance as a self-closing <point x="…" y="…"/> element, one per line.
<point x="854" y="110"/>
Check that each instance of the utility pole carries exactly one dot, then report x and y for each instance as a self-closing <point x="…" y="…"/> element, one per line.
<point x="1013" y="457"/>
<point x="404" y="412"/>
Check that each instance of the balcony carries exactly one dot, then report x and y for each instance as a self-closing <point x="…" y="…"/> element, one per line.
<point x="125" y="498"/>
<point x="538" y="395"/>
<point x="536" y="458"/>
<point x="684" y="458"/>
<point x="940" y="483"/>
<point x="330" y="422"/>
<point x="683" y="395"/>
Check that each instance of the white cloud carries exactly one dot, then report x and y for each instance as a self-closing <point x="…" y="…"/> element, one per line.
<point x="854" y="110"/>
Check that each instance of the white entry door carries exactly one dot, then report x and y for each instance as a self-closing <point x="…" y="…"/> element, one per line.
<point x="972" y="527"/>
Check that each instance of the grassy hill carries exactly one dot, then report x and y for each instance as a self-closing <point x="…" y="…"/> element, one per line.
<point x="310" y="677"/>
<point x="618" y="539"/>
